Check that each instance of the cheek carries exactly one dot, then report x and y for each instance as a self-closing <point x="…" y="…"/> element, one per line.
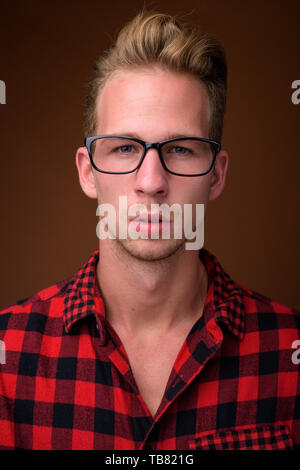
<point x="109" y="188"/>
<point x="197" y="192"/>
<point x="102" y="189"/>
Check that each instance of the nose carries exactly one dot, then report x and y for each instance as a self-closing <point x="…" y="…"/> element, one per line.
<point x="151" y="177"/>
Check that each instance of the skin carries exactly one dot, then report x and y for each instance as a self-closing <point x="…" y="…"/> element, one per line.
<point x="153" y="289"/>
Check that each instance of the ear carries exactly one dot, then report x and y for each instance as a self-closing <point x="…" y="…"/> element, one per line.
<point x="218" y="175"/>
<point x="85" y="172"/>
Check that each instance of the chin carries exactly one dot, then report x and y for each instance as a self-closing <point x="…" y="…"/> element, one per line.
<point x="151" y="250"/>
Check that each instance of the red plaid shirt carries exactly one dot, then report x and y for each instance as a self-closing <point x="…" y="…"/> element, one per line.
<point x="67" y="383"/>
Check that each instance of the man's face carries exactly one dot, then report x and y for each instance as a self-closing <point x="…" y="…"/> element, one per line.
<point x="153" y="105"/>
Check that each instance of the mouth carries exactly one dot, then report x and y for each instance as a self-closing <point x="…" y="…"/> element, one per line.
<point x="151" y="218"/>
<point x="152" y="225"/>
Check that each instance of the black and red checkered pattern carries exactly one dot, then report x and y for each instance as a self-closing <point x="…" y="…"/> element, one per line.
<point x="268" y="437"/>
<point x="67" y="382"/>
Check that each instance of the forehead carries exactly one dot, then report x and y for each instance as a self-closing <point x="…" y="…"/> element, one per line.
<point x="152" y="97"/>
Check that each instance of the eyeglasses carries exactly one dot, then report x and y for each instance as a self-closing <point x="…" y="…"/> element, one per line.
<point x="182" y="156"/>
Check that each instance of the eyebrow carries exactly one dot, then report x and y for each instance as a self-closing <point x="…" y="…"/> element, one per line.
<point x="167" y="137"/>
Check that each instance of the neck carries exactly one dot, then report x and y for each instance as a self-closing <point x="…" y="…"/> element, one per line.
<point x="158" y="296"/>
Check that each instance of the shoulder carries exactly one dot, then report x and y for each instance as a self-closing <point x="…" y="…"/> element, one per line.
<point x="35" y="309"/>
<point x="255" y="299"/>
<point x="265" y="313"/>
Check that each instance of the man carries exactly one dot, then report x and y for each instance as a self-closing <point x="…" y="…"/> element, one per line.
<point x="151" y="345"/>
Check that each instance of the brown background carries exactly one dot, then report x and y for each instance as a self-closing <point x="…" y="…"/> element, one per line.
<point x="49" y="227"/>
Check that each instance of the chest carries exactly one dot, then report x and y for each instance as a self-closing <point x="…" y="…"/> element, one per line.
<point x="151" y="367"/>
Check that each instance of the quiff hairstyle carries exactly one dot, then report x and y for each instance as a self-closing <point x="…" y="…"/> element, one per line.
<point x="156" y="39"/>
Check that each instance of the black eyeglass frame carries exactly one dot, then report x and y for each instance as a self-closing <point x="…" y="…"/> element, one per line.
<point x="216" y="146"/>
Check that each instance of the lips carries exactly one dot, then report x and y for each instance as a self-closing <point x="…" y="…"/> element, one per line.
<point x="148" y="218"/>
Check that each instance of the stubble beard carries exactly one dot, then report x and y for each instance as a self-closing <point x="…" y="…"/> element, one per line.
<point x="150" y="250"/>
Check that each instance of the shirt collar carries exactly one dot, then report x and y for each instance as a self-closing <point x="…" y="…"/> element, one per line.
<point x="224" y="297"/>
<point x="80" y="296"/>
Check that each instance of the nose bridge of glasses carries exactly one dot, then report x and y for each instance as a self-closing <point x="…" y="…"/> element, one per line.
<point x="151" y="145"/>
<point x="148" y="146"/>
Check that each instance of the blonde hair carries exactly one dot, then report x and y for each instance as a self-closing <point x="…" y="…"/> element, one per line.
<point x="153" y="38"/>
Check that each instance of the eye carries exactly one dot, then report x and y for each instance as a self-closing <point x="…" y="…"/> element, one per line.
<point x="125" y="148"/>
<point x="178" y="150"/>
<point x="181" y="150"/>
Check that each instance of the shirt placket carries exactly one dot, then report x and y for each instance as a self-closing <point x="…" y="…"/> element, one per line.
<point x="197" y="350"/>
<point x="115" y="352"/>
